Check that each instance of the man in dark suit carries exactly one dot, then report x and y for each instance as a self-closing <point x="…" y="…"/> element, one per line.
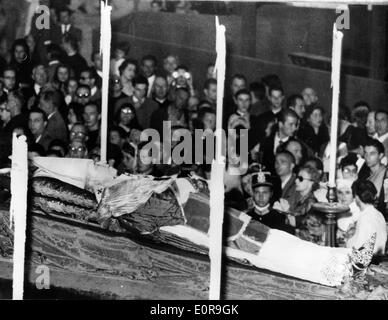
<point x="65" y="28"/>
<point x="49" y="102"/>
<point x="265" y="151"/>
<point x="284" y="167"/>
<point x="262" y="125"/>
<point x="37" y="123"/>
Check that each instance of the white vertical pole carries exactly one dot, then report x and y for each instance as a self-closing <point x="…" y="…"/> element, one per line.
<point x="217" y="175"/>
<point x="105" y="42"/>
<point x="18" y="211"/>
<point x="335" y="83"/>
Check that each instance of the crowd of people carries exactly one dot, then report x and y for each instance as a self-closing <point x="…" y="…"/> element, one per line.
<point x="49" y="93"/>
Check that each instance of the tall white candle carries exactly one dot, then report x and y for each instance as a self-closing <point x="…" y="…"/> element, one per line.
<point x="105" y="42"/>
<point x="335" y="83"/>
<point x="217" y="175"/>
<point x="18" y="211"/>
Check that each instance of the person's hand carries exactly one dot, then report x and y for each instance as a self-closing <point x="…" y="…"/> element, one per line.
<point x="282" y="205"/>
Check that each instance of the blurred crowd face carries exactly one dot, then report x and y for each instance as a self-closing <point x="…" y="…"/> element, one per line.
<point x="209" y="121"/>
<point x="283" y="165"/>
<point x="350" y="172"/>
<point x="91" y="117"/>
<point x="345" y="195"/>
<point x="276" y="98"/>
<point x="71" y="116"/>
<point x="36" y="123"/>
<point x="237" y="84"/>
<point x="170" y="64"/>
<point x="262" y="195"/>
<point x="64" y="17"/>
<point x="296" y="149"/>
<point x="77" y="149"/>
<point x="192" y="104"/>
<point x="299" y="107"/>
<point x="97" y="61"/>
<point x="9" y="80"/>
<point x="78" y="132"/>
<point x="82" y="96"/>
<point x="20" y="54"/>
<point x="63" y="74"/>
<point x="85" y="79"/>
<point x="140" y="91"/>
<point x="5" y="114"/>
<point x="316" y="118"/>
<point x="210" y="74"/>
<point x="370" y="124"/>
<point x="211" y="93"/>
<point x="243" y="102"/>
<point x="310" y="97"/>
<point x="115" y="138"/>
<point x="129" y="161"/>
<point x="289" y="127"/>
<point x="129" y="72"/>
<point x="46" y="106"/>
<point x="181" y="99"/>
<point x="303" y="182"/>
<point x="160" y="88"/>
<point x="381" y="123"/>
<point x="126" y="116"/>
<point x="372" y="156"/>
<point x="40" y="75"/>
<point x="72" y="87"/>
<point x="148" y="68"/>
<point x="115" y="83"/>
<point x="14" y="105"/>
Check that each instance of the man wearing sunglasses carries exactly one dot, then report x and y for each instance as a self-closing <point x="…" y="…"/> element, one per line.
<point x="262" y="195"/>
<point x="88" y="77"/>
<point x="82" y="95"/>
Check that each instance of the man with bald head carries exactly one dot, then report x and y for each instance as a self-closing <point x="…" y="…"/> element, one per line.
<point x="310" y="96"/>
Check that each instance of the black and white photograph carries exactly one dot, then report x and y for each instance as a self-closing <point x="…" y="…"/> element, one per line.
<point x="208" y="152"/>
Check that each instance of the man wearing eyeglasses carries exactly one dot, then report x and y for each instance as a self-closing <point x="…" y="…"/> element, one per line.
<point x="82" y="95"/>
<point x="88" y="77"/>
<point x="79" y="132"/>
<point x="77" y="149"/>
<point x="37" y="123"/>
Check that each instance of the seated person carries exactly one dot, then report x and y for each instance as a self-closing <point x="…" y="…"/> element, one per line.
<point x="370" y="220"/>
<point x="262" y="188"/>
<point x="346" y="221"/>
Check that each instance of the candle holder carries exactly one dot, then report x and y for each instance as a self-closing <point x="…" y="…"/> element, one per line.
<point x="330" y="210"/>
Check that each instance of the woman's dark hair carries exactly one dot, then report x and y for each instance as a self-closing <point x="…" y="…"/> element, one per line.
<point x="134" y="124"/>
<point x="127" y="62"/>
<point x="22" y="43"/>
<point x="58" y="143"/>
<point x="349" y="160"/>
<point x="375" y="143"/>
<point x="365" y="190"/>
<point x="311" y="109"/>
<point x="36" y="147"/>
<point x="55" y="78"/>
<point x="120" y="130"/>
